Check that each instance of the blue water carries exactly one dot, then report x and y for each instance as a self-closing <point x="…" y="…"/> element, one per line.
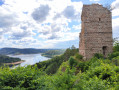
<point x="30" y="59"/>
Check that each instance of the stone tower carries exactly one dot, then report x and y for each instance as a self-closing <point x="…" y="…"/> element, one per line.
<point x="96" y="32"/>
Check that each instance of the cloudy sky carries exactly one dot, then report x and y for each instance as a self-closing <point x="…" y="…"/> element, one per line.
<point x="46" y="23"/>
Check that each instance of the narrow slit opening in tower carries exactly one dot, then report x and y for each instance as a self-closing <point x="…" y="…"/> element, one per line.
<point x="99" y="19"/>
<point x="104" y="48"/>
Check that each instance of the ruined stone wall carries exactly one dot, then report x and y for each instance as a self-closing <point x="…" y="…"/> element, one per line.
<point x="96" y="33"/>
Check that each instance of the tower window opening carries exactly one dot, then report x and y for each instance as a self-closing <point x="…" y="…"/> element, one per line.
<point x="99" y="19"/>
<point x="104" y="50"/>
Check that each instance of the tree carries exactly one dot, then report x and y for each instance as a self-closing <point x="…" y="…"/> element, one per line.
<point x="116" y="46"/>
<point x="73" y="47"/>
<point x="71" y="61"/>
<point x="109" y="7"/>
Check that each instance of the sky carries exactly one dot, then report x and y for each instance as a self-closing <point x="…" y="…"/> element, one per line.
<point x="46" y="23"/>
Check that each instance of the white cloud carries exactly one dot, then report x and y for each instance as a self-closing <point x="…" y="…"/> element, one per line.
<point x="115" y="21"/>
<point x="48" y="18"/>
<point x="40" y="14"/>
<point x="115" y="25"/>
<point x="69" y="12"/>
<point x="77" y="27"/>
<point x="21" y="34"/>
<point x="65" y="37"/>
<point x="7" y="19"/>
<point x="115" y="4"/>
<point x="42" y="23"/>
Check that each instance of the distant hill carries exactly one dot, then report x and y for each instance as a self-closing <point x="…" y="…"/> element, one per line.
<point x="7" y="59"/>
<point x="53" y="53"/>
<point x="7" y="51"/>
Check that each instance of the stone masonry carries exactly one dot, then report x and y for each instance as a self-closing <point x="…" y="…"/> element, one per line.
<point x="96" y="32"/>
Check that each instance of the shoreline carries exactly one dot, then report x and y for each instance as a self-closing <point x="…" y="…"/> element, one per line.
<point x="22" y="54"/>
<point x="15" y="63"/>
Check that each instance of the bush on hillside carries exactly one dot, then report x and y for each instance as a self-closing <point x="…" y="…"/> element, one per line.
<point x="19" y="77"/>
<point x="113" y="55"/>
<point x="72" y="62"/>
<point x="7" y="59"/>
<point x="101" y="76"/>
<point x="57" y="59"/>
<point x="52" y="68"/>
<point x="96" y="74"/>
<point x="78" y="56"/>
<point x="98" y="55"/>
<point x="63" y="81"/>
<point x="116" y="46"/>
<point x="115" y="61"/>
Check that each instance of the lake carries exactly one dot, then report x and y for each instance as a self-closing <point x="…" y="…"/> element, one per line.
<point x="30" y="59"/>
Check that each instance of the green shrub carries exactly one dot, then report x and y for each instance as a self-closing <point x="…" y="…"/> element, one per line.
<point x="72" y="62"/>
<point x="116" y="47"/>
<point x="101" y="77"/>
<point x="63" y="81"/>
<point x="83" y="66"/>
<point x="19" y="77"/>
<point x="115" y="61"/>
<point x="98" y="55"/>
<point x="113" y="55"/>
<point x="52" y="68"/>
<point x="78" y="56"/>
<point x="57" y="59"/>
<point x="95" y="74"/>
<point x="92" y="84"/>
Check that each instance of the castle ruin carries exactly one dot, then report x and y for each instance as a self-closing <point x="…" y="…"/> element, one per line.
<point x="96" y="32"/>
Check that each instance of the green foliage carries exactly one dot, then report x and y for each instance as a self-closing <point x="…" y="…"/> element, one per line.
<point x="78" y="56"/>
<point x="19" y="77"/>
<point x="63" y="81"/>
<point x="113" y="55"/>
<point x="92" y="84"/>
<point x="7" y="59"/>
<point x="73" y="47"/>
<point x="98" y="74"/>
<point x="94" y="74"/>
<point x="72" y="62"/>
<point x="115" y="61"/>
<point x="116" y="46"/>
<point x="69" y="52"/>
<point x="52" y="53"/>
<point x="98" y="55"/>
<point x="82" y="66"/>
<point x="52" y="68"/>
<point x="54" y="63"/>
